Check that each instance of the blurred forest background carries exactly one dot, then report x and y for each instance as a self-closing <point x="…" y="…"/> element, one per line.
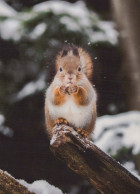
<point x="31" y="33"/>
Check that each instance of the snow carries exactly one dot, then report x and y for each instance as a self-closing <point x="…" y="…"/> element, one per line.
<point x="41" y="187"/>
<point x="77" y="9"/>
<point x="70" y="23"/>
<point x="31" y="88"/>
<point x="75" y="16"/>
<point x="58" y="132"/>
<point x="3" y="129"/>
<point x="110" y="34"/>
<point x="112" y="108"/>
<point x="81" y="19"/>
<point x="10" y="29"/>
<point x="38" y="30"/>
<point x="53" y="139"/>
<point x="6" y="10"/>
<point x="113" y="132"/>
<point x="129" y="165"/>
<point x="2" y="119"/>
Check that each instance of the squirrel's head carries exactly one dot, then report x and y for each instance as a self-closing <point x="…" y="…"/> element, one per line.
<point x="73" y="64"/>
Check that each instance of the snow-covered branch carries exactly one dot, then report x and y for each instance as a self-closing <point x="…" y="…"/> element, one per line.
<point x="87" y="160"/>
<point x="10" y="185"/>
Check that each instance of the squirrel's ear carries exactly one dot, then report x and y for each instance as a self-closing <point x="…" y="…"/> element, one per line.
<point x="70" y="49"/>
<point x="64" y="52"/>
<point x="75" y="51"/>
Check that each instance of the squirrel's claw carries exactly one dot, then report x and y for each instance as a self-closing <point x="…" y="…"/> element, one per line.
<point x="82" y="132"/>
<point x="59" y="121"/>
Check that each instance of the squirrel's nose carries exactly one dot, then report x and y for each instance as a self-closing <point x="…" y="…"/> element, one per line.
<point x="70" y="78"/>
<point x="70" y="72"/>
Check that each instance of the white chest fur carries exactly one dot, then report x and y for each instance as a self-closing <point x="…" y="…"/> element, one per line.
<point x="74" y="114"/>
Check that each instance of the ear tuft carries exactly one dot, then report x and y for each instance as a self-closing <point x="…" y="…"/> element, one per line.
<point x="75" y="51"/>
<point x="69" y="48"/>
<point x="64" y="53"/>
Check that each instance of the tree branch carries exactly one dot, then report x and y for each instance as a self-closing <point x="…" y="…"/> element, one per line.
<point x="87" y="160"/>
<point x="9" y="185"/>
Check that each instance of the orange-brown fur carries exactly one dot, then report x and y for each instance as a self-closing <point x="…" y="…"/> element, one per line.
<point x="80" y="97"/>
<point x="59" y="98"/>
<point x="88" y="69"/>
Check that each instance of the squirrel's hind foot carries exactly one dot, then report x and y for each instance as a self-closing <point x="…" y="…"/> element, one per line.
<point x="82" y="132"/>
<point x="59" y="121"/>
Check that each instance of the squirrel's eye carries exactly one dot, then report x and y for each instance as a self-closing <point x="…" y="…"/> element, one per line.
<point x="79" y="68"/>
<point x="60" y="69"/>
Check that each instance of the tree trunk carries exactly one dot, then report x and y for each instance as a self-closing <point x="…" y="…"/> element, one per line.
<point x="127" y="16"/>
<point x="8" y="185"/>
<point x="84" y="158"/>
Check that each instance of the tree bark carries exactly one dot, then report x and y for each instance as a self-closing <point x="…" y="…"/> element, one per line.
<point x="127" y="16"/>
<point x="86" y="159"/>
<point x="8" y="185"/>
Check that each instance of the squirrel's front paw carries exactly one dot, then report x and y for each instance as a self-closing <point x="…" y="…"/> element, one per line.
<point x="63" y="89"/>
<point x="72" y="89"/>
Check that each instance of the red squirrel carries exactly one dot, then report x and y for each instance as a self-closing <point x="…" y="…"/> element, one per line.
<point x="71" y="98"/>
